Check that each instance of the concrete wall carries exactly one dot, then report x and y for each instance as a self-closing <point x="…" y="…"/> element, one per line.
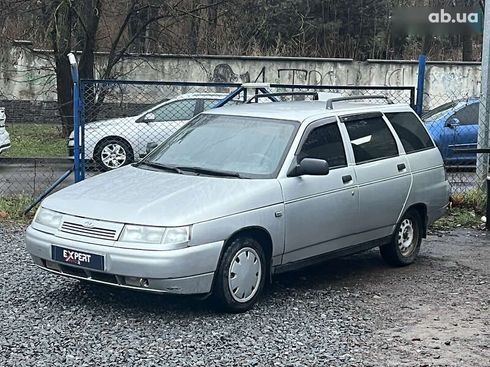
<point x="26" y="75"/>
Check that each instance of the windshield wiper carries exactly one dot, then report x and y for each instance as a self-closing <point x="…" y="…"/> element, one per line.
<point x="159" y="166"/>
<point x="210" y="172"/>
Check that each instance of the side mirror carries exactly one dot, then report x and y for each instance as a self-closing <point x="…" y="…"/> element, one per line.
<point x="310" y="166"/>
<point x="149" y="117"/>
<point x="453" y="122"/>
<point x="150" y="147"/>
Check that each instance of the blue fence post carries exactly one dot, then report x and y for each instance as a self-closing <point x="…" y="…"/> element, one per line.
<point x="420" y="85"/>
<point x="76" y="117"/>
<point x="81" y="116"/>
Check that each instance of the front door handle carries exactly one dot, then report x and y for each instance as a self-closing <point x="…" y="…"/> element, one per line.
<point x="346" y="179"/>
<point x="401" y="166"/>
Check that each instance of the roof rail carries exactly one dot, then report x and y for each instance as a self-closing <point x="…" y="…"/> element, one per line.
<point x="331" y="101"/>
<point x="256" y="85"/>
<point x="279" y="94"/>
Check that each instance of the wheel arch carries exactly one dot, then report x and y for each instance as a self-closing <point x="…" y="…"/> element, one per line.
<point x="421" y="209"/>
<point x="261" y="235"/>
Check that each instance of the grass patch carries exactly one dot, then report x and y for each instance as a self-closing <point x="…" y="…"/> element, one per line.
<point x="13" y="207"/>
<point x="459" y="217"/>
<point x="467" y="211"/>
<point x="36" y="140"/>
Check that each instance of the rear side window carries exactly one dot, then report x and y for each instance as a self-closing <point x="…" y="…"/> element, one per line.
<point x="371" y="139"/>
<point x="325" y="142"/>
<point x="410" y="130"/>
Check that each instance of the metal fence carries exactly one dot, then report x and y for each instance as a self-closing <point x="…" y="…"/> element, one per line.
<point x="452" y="118"/>
<point x="119" y="119"/>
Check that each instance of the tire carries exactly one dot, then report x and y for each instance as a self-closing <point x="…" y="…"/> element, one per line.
<point x="113" y="153"/>
<point x="405" y="244"/>
<point x="231" y="276"/>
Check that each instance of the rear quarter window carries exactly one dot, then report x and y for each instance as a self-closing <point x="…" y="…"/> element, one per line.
<point x="410" y="130"/>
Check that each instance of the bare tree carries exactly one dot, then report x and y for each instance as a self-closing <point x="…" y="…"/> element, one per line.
<point x="75" y="25"/>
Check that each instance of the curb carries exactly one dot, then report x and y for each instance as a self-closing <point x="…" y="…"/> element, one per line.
<point x="35" y="160"/>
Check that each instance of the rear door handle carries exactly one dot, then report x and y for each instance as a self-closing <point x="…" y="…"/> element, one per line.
<point x="346" y="179"/>
<point x="401" y="166"/>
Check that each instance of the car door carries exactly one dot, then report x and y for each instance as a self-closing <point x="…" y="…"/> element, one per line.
<point x="160" y="123"/>
<point x="462" y="131"/>
<point x="382" y="173"/>
<point x="320" y="211"/>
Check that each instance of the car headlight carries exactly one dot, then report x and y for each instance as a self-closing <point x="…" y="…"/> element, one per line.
<point x="48" y="218"/>
<point x="171" y="237"/>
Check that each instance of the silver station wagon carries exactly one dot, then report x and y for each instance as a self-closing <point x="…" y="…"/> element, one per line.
<point x="245" y="192"/>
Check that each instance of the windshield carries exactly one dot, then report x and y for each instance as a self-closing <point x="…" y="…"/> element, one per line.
<point x="242" y="146"/>
<point x="438" y="112"/>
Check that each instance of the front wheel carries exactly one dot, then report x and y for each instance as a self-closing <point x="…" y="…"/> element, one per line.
<point x="113" y="153"/>
<point x="405" y="244"/>
<point x="241" y="275"/>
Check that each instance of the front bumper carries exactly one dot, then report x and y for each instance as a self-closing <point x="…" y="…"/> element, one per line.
<point x="185" y="271"/>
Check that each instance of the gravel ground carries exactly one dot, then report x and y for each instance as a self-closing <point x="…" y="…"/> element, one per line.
<point x="354" y="311"/>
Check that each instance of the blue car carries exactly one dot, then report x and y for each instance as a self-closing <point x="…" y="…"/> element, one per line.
<point x="454" y="125"/>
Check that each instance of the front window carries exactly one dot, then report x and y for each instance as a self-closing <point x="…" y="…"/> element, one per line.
<point x="325" y="142"/>
<point x="469" y="114"/>
<point x="242" y="146"/>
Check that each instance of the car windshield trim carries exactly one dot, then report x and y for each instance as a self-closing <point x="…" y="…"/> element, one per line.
<point x="159" y="166"/>
<point x="295" y="126"/>
<point x="211" y="172"/>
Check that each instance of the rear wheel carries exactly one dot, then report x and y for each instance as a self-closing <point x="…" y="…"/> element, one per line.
<point x="241" y="275"/>
<point x="405" y="244"/>
<point x="113" y="153"/>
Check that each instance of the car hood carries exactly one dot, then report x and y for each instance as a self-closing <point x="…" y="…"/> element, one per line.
<point x="140" y="196"/>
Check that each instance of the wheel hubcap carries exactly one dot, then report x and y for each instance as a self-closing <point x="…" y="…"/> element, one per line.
<point x="244" y="274"/>
<point x="113" y="156"/>
<point x="406" y="237"/>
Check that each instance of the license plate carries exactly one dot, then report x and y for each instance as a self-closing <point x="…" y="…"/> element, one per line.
<point x="78" y="258"/>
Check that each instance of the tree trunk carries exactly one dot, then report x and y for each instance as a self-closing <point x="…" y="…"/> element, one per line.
<point x="467" y="47"/>
<point x="194" y="31"/>
<point x="90" y="14"/>
<point x="212" y="28"/>
<point x="61" y="40"/>
<point x="65" y="95"/>
<point x="427" y="44"/>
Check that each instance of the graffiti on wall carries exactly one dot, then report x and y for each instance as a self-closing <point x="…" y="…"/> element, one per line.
<point x="224" y="73"/>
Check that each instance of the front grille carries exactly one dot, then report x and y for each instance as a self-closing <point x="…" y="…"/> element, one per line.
<point x="95" y="232"/>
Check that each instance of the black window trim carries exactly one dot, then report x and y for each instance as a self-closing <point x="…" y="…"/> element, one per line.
<point x="313" y="125"/>
<point x="423" y="126"/>
<point x="361" y="116"/>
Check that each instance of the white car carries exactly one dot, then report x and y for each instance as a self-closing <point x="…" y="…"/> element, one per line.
<point x="116" y="142"/>
<point x="4" y="135"/>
